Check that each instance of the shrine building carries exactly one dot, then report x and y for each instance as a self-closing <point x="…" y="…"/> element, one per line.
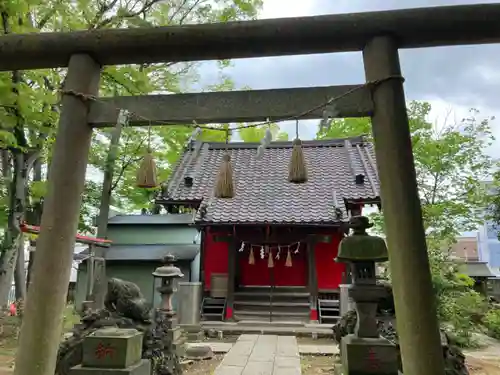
<point x="267" y="253"/>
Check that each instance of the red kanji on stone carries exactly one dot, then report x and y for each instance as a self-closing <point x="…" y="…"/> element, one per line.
<point x="373" y="360"/>
<point x="103" y="351"/>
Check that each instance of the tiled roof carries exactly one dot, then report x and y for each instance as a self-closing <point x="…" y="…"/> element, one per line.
<point x="262" y="190"/>
<point x="465" y="248"/>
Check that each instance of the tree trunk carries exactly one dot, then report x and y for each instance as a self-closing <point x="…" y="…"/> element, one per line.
<point x="99" y="283"/>
<point x="36" y="217"/>
<point x="20" y="270"/>
<point x="29" y="272"/>
<point x="17" y="197"/>
<point x="6" y="167"/>
<point x="7" y="176"/>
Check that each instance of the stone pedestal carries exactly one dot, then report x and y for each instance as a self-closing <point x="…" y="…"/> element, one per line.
<point x="113" y="351"/>
<point x="179" y="341"/>
<point x="171" y="339"/>
<point x="113" y="348"/>
<point x="193" y="332"/>
<point x="366" y="298"/>
<point x="174" y="333"/>
<point x="337" y="369"/>
<point x="368" y="356"/>
<point x="143" y="367"/>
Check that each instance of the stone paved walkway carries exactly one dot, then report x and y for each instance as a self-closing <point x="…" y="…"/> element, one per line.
<point x="262" y="355"/>
<point x="305" y="349"/>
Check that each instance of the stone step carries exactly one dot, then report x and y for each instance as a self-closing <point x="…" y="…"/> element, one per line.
<point x="266" y="296"/>
<point x="274" y="290"/>
<point x="213" y="308"/>
<point x="330" y="309"/>
<point x="208" y="301"/>
<point x="267" y="312"/>
<point x="268" y="303"/>
<point x="276" y="307"/>
<point x="329" y="319"/>
<point x="249" y="323"/>
<point x="329" y="302"/>
<point x="274" y="317"/>
<point x="271" y="328"/>
<point x="211" y="316"/>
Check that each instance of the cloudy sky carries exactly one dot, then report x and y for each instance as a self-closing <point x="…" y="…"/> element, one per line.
<point x="450" y="78"/>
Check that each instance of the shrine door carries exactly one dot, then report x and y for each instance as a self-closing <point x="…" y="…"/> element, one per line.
<point x="276" y="273"/>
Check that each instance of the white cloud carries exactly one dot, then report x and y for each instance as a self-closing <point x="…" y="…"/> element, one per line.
<point x="452" y="79"/>
<point x="443" y="112"/>
<point x="487" y="73"/>
<point x="286" y="8"/>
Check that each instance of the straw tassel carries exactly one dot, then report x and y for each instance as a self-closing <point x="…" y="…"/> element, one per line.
<point x="251" y="258"/>
<point x="297" y="170"/>
<point x="270" y="262"/>
<point x="146" y="174"/>
<point x="288" y="262"/>
<point x="224" y="187"/>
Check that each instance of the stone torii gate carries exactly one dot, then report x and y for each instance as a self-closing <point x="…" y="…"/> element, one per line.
<point x="378" y="34"/>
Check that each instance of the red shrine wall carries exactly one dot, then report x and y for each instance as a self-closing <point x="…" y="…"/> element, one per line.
<point x="329" y="273"/>
<point x="215" y="257"/>
<point x="259" y="273"/>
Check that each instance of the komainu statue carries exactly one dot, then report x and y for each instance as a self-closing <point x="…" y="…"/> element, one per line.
<point x="453" y="356"/>
<point x="125" y="307"/>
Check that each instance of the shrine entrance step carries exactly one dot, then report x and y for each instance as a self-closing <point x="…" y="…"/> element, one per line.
<point x="266" y="304"/>
<point x="263" y="355"/>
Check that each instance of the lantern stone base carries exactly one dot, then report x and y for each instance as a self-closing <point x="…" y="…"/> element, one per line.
<point x="179" y="346"/>
<point x="176" y="333"/>
<point x="193" y="332"/>
<point x="368" y="356"/>
<point x="178" y="339"/>
<point x="143" y="367"/>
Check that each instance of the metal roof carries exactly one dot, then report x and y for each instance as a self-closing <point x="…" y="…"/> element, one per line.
<point x="146" y="252"/>
<point x="166" y="219"/>
<point x="476" y="269"/>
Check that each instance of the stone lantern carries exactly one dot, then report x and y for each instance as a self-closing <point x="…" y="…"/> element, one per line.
<point x="165" y="331"/>
<point x="365" y="351"/>
<point x="167" y="274"/>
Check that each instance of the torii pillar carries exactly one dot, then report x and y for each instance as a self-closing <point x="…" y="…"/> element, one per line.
<point x="417" y="323"/>
<point x="42" y="322"/>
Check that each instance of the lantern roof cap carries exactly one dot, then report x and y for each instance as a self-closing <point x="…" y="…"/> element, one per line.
<point x="361" y="246"/>
<point x="168" y="270"/>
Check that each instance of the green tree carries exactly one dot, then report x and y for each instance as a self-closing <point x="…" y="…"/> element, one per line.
<point x="29" y="101"/>
<point x="494" y="195"/>
<point x="451" y="163"/>
<point x="256" y="134"/>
